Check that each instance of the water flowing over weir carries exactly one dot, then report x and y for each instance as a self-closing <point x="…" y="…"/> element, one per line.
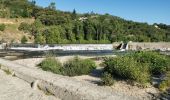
<point x="65" y="47"/>
<point x="35" y="50"/>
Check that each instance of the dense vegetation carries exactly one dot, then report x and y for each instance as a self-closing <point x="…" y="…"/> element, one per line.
<point x="107" y="79"/>
<point x="54" y="26"/>
<point x="165" y="84"/>
<point x="77" y="66"/>
<point x="2" y="27"/>
<point x="51" y="64"/>
<point x="139" y="66"/>
<point x="73" y="67"/>
<point x="24" y="39"/>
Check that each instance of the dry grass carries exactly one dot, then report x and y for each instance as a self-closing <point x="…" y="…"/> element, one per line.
<point x="11" y="32"/>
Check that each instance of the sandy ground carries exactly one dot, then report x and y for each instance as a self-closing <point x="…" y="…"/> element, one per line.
<point x="13" y="88"/>
<point x="120" y="86"/>
<point x="33" y="62"/>
<point x="123" y="87"/>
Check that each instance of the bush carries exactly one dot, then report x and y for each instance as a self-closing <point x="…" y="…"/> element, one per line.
<point x="2" y="27"/>
<point x="24" y="27"/>
<point x="138" y="66"/>
<point x="24" y="39"/>
<point x="166" y="83"/>
<point x="73" y="67"/>
<point x="107" y="79"/>
<point x="158" y="64"/>
<point x="51" y="64"/>
<point x="127" y="68"/>
<point x="77" y="66"/>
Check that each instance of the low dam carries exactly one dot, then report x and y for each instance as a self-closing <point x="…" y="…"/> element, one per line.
<point x="36" y="50"/>
<point x="162" y="46"/>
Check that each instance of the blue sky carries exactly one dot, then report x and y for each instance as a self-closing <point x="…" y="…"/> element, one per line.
<point x="150" y="11"/>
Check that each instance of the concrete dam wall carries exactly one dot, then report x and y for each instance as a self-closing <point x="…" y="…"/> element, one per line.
<point x="162" y="46"/>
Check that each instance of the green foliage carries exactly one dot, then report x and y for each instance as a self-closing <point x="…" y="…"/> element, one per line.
<point x="107" y="79"/>
<point x="128" y="68"/>
<point x="40" y="39"/>
<point x="36" y="27"/>
<point x="158" y="64"/>
<point x="83" y="28"/>
<point x="52" y="35"/>
<point x="2" y="27"/>
<point x="18" y="8"/>
<point x="77" y="66"/>
<point x="24" y="27"/>
<point x="51" y="64"/>
<point x="138" y="66"/>
<point x="24" y="39"/>
<point x="73" y="67"/>
<point x="166" y="83"/>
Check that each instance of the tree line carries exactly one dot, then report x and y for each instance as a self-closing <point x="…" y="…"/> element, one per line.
<point x="55" y="26"/>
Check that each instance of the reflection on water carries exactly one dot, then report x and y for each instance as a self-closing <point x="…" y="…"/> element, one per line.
<point x="14" y="55"/>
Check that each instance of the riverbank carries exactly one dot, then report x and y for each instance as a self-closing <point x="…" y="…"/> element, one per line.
<point x="119" y="86"/>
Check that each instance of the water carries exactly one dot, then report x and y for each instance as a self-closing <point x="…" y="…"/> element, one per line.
<point x="14" y="55"/>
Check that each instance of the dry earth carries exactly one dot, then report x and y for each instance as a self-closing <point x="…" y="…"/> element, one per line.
<point x="11" y="32"/>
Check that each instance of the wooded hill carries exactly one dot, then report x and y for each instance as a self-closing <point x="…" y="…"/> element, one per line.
<point x="55" y="26"/>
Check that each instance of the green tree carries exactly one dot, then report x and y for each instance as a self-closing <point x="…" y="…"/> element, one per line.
<point x="36" y="27"/>
<point x="24" y="39"/>
<point x="52" y="6"/>
<point x="74" y="15"/>
<point x="53" y="35"/>
<point x="40" y="39"/>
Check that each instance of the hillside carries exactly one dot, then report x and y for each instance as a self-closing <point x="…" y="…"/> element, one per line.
<point x="55" y="26"/>
<point x="11" y="32"/>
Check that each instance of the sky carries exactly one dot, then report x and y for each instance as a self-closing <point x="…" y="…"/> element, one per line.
<point x="150" y="11"/>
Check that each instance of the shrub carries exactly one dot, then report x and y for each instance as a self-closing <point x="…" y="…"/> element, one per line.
<point x="164" y="85"/>
<point x="128" y="68"/>
<point x="158" y="64"/>
<point x="77" y="66"/>
<point x="107" y="79"/>
<point x="73" y="67"/>
<point x="24" y="39"/>
<point x="51" y="64"/>
<point x="24" y="27"/>
<point x="2" y="27"/>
